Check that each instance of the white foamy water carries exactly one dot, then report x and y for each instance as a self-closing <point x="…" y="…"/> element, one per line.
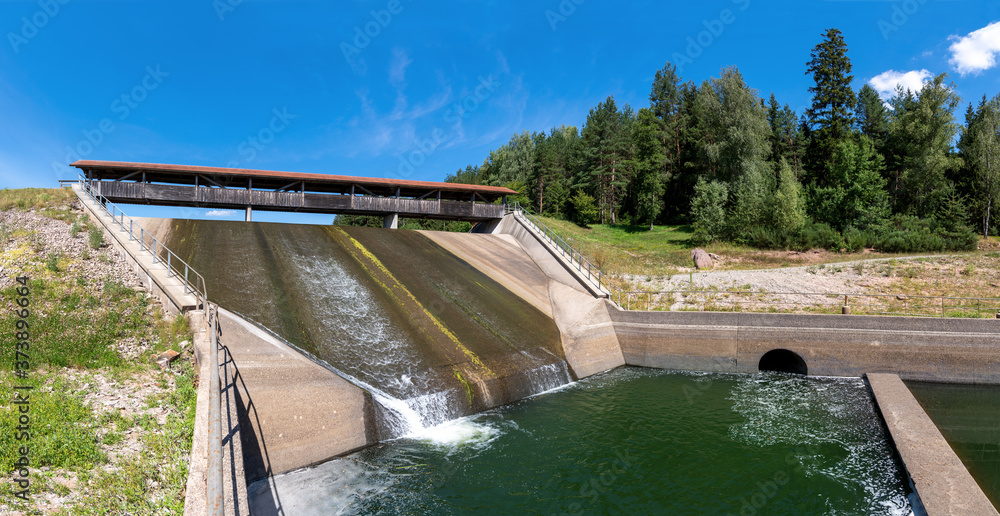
<point x="821" y="412"/>
<point x="353" y="328"/>
<point x="457" y="432"/>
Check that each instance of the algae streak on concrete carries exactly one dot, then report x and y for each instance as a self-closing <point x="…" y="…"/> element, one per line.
<point x="944" y="485"/>
<point x="389" y="308"/>
<point x="527" y="269"/>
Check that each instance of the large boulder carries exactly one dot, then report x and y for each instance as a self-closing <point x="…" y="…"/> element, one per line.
<point x="701" y="259"/>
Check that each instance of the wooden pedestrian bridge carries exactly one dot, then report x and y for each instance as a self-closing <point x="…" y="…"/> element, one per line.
<point x="267" y="190"/>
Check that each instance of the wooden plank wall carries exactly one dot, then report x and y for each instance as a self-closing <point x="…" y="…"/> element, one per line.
<point x="137" y="192"/>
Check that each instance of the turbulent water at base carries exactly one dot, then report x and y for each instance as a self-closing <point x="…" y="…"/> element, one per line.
<point x="430" y="337"/>
<point x="632" y="441"/>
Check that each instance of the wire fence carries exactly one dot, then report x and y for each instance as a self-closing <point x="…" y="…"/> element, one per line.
<point x="811" y="302"/>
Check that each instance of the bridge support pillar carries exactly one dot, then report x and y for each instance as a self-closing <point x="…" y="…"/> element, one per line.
<point x="249" y="213"/>
<point x="391" y="221"/>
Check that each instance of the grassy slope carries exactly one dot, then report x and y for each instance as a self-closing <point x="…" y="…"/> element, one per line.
<point x="664" y="250"/>
<point x="76" y="321"/>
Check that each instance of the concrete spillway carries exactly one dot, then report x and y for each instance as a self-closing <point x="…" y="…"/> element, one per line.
<point x="392" y="310"/>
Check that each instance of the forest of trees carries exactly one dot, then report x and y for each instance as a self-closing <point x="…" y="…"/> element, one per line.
<point x="850" y="172"/>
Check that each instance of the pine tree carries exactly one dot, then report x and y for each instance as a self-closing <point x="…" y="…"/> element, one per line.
<point x="923" y="128"/>
<point x="553" y="155"/>
<point x="830" y="116"/>
<point x="984" y="152"/>
<point x="666" y="103"/>
<point x="605" y="156"/>
<point x="872" y="117"/>
<point x="856" y="194"/>
<point x="649" y="174"/>
<point x="786" y="136"/>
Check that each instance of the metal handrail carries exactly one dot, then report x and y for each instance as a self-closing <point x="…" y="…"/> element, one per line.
<point x="173" y="263"/>
<point x="911" y="304"/>
<point x="576" y="259"/>
<point x="214" y="488"/>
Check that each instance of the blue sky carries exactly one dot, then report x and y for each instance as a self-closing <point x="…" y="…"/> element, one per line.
<point x="410" y="89"/>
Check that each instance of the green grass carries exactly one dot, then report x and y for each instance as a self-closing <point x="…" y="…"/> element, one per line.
<point x="63" y="429"/>
<point x="76" y="323"/>
<point x="96" y="237"/>
<point x="51" y="202"/>
<point x="627" y="249"/>
<point x="636" y="250"/>
<point x="72" y="328"/>
<point x="127" y="490"/>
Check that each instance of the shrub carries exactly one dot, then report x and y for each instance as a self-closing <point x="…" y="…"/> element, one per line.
<point x="96" y="238"/>
<point x="708" y="211"/>
<point x="821" y="235"/>
<point x="52" y="263"/>
<point x="856" y="240"/>
<point x="906" y="233"/>
<point x="584" y="209"/>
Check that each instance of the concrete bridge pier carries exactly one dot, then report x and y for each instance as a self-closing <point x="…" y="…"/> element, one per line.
<point x="391" y="221"/>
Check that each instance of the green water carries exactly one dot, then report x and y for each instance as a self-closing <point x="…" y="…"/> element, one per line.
<point x="632" y="441"/>
<point x="969" y="418"/>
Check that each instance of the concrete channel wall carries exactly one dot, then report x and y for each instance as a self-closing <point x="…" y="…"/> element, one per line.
<point x="941" y="481"/>
<point x="929" y="349"/>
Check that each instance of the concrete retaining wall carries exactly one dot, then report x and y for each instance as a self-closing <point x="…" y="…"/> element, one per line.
<point x="943" y="350"/>
<point x="516" y="259"/>
<point x="936" y="473"/>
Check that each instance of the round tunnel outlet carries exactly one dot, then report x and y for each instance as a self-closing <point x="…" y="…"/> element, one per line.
<point x="782" y="361"/>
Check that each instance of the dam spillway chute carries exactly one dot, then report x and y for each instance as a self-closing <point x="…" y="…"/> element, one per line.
<point x="420" y="329"/>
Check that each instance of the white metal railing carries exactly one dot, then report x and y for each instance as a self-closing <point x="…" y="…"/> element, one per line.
<point x="577" y="260"/>
<point x="194" y="283"/>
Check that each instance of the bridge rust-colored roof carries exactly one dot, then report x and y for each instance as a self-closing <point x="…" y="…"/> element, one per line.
<point x="110" y="168"/>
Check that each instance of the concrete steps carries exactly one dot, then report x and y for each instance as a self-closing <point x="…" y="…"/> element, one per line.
<point x="152" y="271"/>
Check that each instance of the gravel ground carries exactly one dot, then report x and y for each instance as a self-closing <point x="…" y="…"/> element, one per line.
<point x="837" y="278"/>
<point x="127" y="395"/>
<point x="867" y="283"/>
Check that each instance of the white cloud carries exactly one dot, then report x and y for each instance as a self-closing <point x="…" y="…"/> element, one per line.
<point x="885" y="83"/>
<point x="977" y="51"/>
<point x="397" y="66"/>
<point x="220" y="213"/>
